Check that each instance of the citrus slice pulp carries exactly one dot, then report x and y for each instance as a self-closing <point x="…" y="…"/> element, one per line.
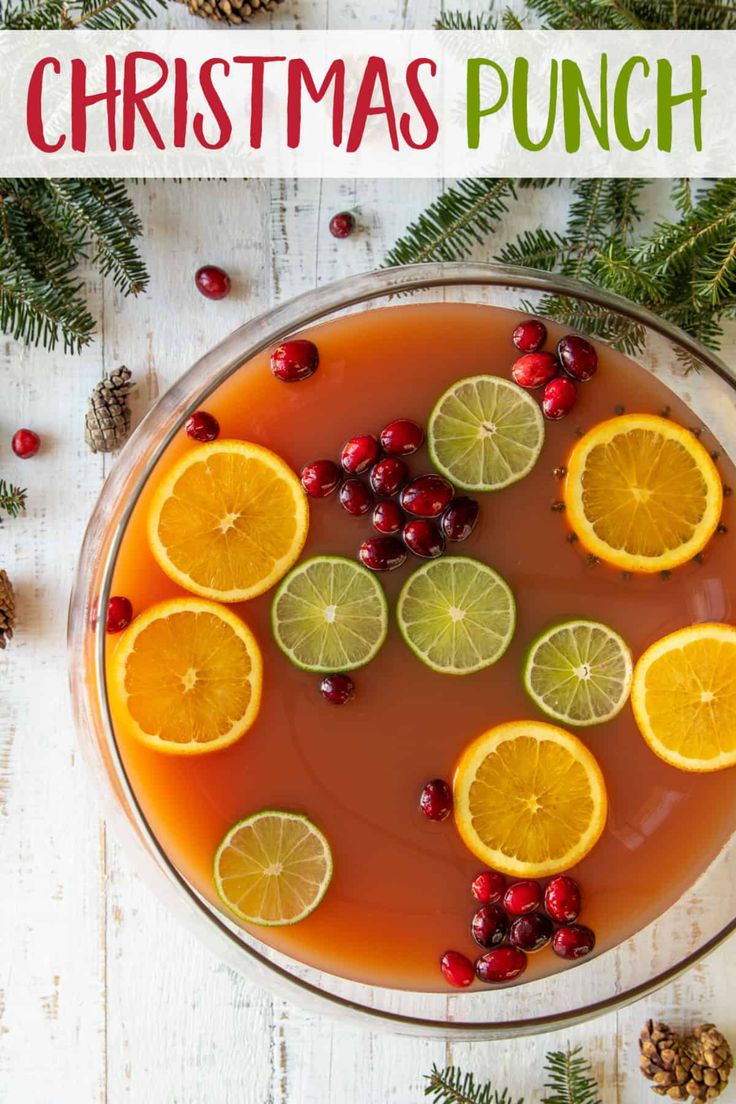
<point x="530" y="799"/>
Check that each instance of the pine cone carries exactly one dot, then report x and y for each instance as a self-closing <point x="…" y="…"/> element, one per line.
<point x="7" y="609"/>
<point x="230" y="11"/>
<point x="697" y="1066"/>
<point x="107" y="422"/>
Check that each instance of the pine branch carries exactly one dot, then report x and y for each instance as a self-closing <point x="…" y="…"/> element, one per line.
<point x="452" y="1086"/>
<point x="95" y="15"/>
<point x="12" y="499"/>
<point x="569" y="1079"/>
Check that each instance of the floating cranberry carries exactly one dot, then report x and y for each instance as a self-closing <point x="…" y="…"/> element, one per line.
<point x="458" y="520"/>
<point x="529" y="335"/>
<point x="213" y="282"/>
<point x="535" y="369"/>
<point x="25" y="443"/>
<point x="488" y="887"/>
<point x="457" y="969"/>
<point x="320" y="478"/>
<point x="578" y="357"/>
<point x="355" y="497"/>
<point x="388" y="476"/>
<point x="562" y="899"/>
<point x="295" y="361"/>
<point x="435" y="800"/>
<point x="342" y="224"/>
<point x="401" y="437"/>
<point x="427" y="496"/>
<point x="388" y="517"/>
<point x="501" y="964"/>
<point x="119" y="614"/>
<point x="522" y="897"/>
<point x="423" y="538"/>
<point x="337" y="689"/>
<point x="531" y="933"/>
<point x="558" y="398"/>
<point x="201" y="426"/>
<point x="573" y="941"/>
<point x="359" y="453"/>
<point x="382" y="553"/>
<point x="489" y="926"/>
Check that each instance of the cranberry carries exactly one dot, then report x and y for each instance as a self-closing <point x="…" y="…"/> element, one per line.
<point x="355" y="497"/>
<point x="457" y="969"/>
<point x="359" y="453"/>
<point x="427" y="496"/>
<point x="320" y="478"/>
<point x="458" y="520"/>
<point x="388" y="517"/>
<point x="342" y="224"/>
<point x="402" y="437"/>
<point x="388" y="476"/>
<point x="562" y="899"/>
<point x="119" y="614"/>
<point x="501" y="964"/>
<point x="489" y="926"/>
<point x="337" y="689"/>
<point x="531" y="933"/>
<point x="25" y="443"/>
<point x="435" y="800"/>
<point x="423" y="538"/>
<point x="488" y="887"/>
<point x="558" y="398"/>
<point x="201" y="426"/>
<point x="535" y="369"/>
<point x="522" y="897"/>
<point x="295" y="361"/>
<point x="213" y="282"/>
<point x="573" y="941"/>
<point x="529" y="335"/>
<point x="382" y="553"/>
<point x="578" y="357"/>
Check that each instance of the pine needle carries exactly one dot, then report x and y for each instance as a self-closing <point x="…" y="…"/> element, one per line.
<point x="12" y="499"/>
<point x="569" y="1079"/>
<point x="452" y="1086"/>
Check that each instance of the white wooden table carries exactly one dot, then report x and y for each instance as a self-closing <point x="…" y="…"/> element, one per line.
<point x="103" y="997"/>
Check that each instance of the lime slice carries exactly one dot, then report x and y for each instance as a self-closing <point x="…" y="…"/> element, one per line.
<point x="330" y="614"/>
<point x="273" y="868"/>
<point x="579" y="672"/>
<point x="457" y="615"/>
<point x="485" y="433"/>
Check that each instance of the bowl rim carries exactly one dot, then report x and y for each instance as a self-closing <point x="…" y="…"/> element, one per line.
<point x="247" y="341"/>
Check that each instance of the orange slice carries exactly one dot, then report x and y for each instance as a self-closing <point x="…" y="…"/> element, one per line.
<point x="228" y="521"/>
<point x="642" y="493"/>
<point x="684" y="697"/>
<point x="188" y="674"/>
<point x="530" y="799"/>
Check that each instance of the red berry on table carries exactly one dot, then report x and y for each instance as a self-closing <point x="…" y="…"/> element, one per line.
<point x="529" y="335"/>
<point x="342" y="224"/>
<point x="522" y="897"/>
<point x="459" y="519"/>
<point x="531" y="933"/>
<point x="355" y="497"/>
<point x="388" y="517"/>
<point x="578" y="357"/>
<point x="295" y="361"/>
<point x="388" y="476"/>
<point x="359" y="453"/>
<point x="457" y="969"/>
<point x="427" y="496"/>
<point x="488" y="887"/>
<point x="119" y="614"/>
<point x="320" y="478"/>
<point x="562" y="899"/>
<point x="435" y="800"/>
<point x="573" y="941"/>
<point x="337" y="689"/>
<point x="489" y="926"/>
<point x="423" y="538"/>
<point x="401" y="437"/>
<point x="535" y="369"/>
<point x="25" y="443"/>
<point x="201" y="426"/>
<point x="501" y="964"/>
<point x="558" y="398"/>
<point x="213" y="282"/>
<point x="382" y="553"/>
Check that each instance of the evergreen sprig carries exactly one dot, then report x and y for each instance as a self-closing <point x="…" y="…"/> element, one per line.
<point x="63" y="15"/>
<point x="569" y="1081"/>
<point x="12" y="499"/>
<point x="453" y="1086"/>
